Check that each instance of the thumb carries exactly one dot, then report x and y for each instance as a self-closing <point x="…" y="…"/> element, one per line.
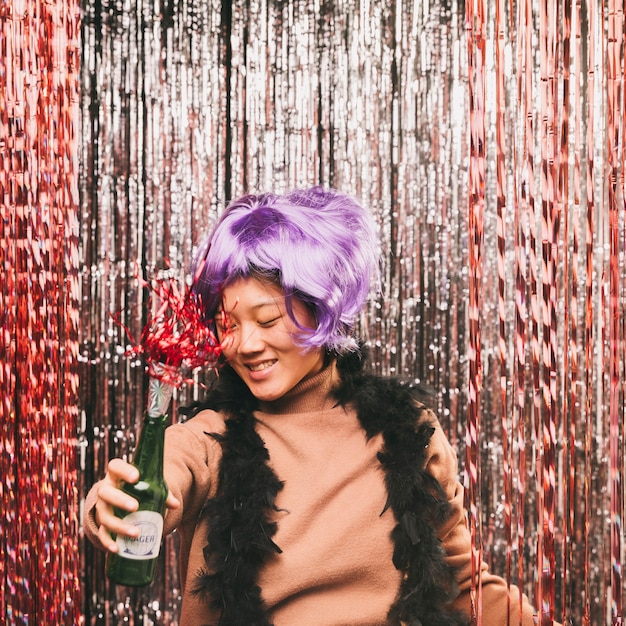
<point x="172" y="502"/>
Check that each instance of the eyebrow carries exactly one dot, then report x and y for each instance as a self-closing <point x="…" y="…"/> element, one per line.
<point x="260" y="305"/>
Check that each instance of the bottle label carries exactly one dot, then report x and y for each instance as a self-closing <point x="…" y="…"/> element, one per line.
<point x="148" y="544"/>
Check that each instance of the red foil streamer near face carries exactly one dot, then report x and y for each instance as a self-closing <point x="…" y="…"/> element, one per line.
<point x="176" y="341"/>
<point x="40" y="298"/>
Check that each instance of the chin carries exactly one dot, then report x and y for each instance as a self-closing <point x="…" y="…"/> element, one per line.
<point x="264" y="395"/>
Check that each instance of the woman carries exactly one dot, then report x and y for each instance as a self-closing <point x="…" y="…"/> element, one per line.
<point x="307" y="492"/>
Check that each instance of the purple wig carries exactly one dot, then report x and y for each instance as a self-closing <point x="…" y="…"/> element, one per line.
<point x="318" y="245"/>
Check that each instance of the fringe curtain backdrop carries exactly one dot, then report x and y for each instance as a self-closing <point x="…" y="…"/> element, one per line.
<point x="39" y="312"/>
<point x="488" y="140"/>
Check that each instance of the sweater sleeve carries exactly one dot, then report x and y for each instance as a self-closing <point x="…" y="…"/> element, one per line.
<point x="498" y="599"/>
<point x="190" y="468"/>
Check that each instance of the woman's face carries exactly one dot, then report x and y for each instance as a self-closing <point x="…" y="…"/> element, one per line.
<point x="258" y="338"/>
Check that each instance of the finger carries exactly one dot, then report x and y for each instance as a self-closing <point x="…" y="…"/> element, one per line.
<point x="114" y="525"/>
<point x="120" y="470"/>
<point x="110" y="497"/>
<point x="109" y="523"/>
<point x="113" y="496"/>
<point x="106" y="540"/>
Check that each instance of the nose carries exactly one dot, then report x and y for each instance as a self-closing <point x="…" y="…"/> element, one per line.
<point x="250" y="339"/>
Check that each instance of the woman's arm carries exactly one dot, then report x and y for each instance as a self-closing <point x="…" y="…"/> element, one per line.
<point x="190" y="467"/>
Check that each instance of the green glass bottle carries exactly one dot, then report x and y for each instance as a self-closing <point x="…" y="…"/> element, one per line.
<point x="135" y="562"/>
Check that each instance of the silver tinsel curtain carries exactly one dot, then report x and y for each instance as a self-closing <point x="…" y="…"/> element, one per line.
<point x="488" y="140"/>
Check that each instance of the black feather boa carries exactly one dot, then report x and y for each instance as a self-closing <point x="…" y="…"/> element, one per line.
<point x="241" y="525"/>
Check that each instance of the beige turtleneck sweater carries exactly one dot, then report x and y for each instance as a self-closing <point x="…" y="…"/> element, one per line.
<point x="335" y="568"/>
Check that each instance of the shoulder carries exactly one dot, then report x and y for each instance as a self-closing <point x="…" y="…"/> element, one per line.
<point x="200" y="430"/>
<point x="204" y="419"/>
<point x="387" y="404"/>
<point x="227" y="394"/>
<point x="391" y="395"/>
<point x="441" y="458"/>
<point x="402" y="411"/>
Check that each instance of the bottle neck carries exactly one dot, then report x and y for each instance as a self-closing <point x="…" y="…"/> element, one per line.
<point x="148" y="457"/>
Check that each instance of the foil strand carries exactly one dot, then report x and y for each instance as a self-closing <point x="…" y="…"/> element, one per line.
<point x="568" y="375"/>
<point x="589" y="319"/>
<point x="501" y="195"/>
<point x="615" y="86"/>
<point x="475" y="23"/>
<point x="573" y="583"/>
<point x="546" y="471"/>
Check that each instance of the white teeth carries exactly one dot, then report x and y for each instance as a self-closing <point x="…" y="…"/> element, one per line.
<point x="261" y="366"/>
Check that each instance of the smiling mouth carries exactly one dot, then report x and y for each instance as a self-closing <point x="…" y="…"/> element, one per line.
<point x="259" y="367"/>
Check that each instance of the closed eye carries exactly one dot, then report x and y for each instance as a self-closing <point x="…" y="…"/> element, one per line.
<point x="268" y="323"/>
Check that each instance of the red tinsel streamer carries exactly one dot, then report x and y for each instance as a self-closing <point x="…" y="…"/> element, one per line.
<point x="615" y="86"/>
<point x="475" y="26"/>
<point x="568" y="374"/>
<point x="621" y="282"/>
<point x="589" y="338"/>
<point x="519" y="335"/>
<point x="501" y="206"/>
<point x="592" y="402"/>
<point x="39" y="302"/>
<point x="524" y="258"/>
<point x="546" y="427"/>
<point x="534" y="321"/>
<point x="573" y="511"/>
<point x="568" y="433"/>
<point x="175" y="341"/>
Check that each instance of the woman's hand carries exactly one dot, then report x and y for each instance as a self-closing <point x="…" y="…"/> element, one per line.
<point x="110" y="495"/>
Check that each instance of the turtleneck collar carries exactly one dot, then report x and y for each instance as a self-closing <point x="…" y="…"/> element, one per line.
<point x="310" y="394"/>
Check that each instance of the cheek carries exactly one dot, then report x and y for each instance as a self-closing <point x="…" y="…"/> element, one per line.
<point x="227" y="343"/>
<point x="304" y="315"/>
